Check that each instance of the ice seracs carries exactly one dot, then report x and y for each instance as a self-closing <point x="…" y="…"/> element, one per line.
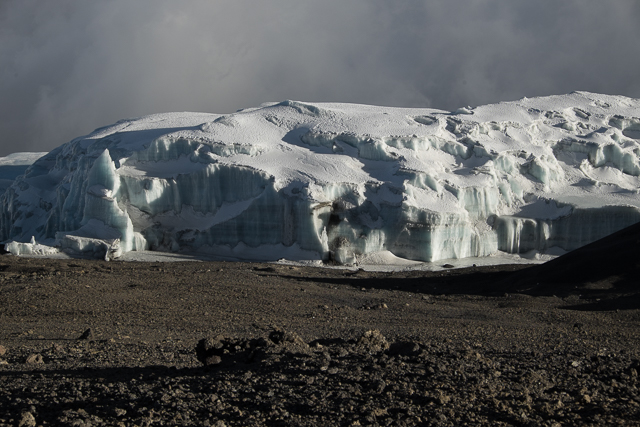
<point x="340" y="181"/>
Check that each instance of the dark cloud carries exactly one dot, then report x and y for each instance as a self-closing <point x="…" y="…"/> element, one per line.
<point x="67" y="67"/>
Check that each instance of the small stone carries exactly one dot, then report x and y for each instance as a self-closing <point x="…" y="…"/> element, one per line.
<point x="373" y="341"/>
<point x="213" y="360"/>
<point x="380" y="412"/>
<point x="34" y="359"/>
<point x="379" y="386"/>
<point x="3" y="350"/>
<point x="287" y="338"/>
<point x="28" y="420"/>
<point x="208" y="350"/>
<point x="443" y="399"/>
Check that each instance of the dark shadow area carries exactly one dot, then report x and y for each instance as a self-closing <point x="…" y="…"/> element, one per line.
<point x="117" y="373"/>
<point x="11" y="172"/>
<point x="617" y="255"/>
<point x="290" y="382"/>
<point x="464" y="281"/>
<point x="624" y="302"/>
<point x="608" y="268"/>
<point x="606" y="271"/>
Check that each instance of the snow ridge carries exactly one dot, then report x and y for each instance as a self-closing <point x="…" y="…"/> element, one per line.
<point x="340" y="181"/>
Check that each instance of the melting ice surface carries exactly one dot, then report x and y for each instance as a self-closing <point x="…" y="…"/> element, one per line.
<point x="340" y="182"/>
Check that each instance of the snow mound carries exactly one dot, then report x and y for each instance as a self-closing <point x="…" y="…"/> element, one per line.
<point x="340" y="181"/>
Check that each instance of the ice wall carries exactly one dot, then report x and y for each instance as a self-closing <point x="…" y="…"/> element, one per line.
<point x="338" y="181"/>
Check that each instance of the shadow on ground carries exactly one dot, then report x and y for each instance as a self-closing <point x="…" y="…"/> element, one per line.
<point x="606" y="272"/>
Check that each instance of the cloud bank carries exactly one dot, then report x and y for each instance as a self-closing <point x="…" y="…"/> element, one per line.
<point x="67" y="67"/>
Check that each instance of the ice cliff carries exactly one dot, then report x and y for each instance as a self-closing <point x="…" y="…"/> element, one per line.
<point x="338" y="181"/>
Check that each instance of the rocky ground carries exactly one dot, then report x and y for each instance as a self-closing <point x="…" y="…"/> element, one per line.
<point x="86" y="343"/>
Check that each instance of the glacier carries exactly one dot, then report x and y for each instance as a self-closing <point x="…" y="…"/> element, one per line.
<point x="14" y="165"/>
<point x="339" y="182"/>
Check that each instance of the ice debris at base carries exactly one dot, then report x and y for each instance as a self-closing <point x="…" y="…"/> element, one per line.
<point x="340" y="181"/>
<point x="31" y="248"/>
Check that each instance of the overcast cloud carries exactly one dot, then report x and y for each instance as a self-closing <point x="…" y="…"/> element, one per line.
<point x="67" y="67"/>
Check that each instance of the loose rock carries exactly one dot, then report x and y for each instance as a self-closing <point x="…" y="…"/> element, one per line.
<point x="34" y="359"/>
<point x="27" y="420"/>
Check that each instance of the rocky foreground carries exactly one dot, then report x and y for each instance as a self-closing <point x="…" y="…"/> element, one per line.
<point x="86" y="343"/>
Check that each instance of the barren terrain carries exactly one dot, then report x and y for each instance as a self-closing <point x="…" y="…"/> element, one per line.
<point x="86" y="342"/>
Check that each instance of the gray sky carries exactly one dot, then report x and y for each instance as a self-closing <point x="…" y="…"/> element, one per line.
<point x="68" y="67"/>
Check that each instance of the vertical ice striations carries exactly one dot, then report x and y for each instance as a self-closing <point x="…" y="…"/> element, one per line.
<point x="337" y="181"/>
<point x="101" y="210"/>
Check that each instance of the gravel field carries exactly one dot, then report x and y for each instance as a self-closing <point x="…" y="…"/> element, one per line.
<point x="91" y="343"/>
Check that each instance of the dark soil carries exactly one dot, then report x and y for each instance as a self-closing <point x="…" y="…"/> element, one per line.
<point x="86" y="343"/>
